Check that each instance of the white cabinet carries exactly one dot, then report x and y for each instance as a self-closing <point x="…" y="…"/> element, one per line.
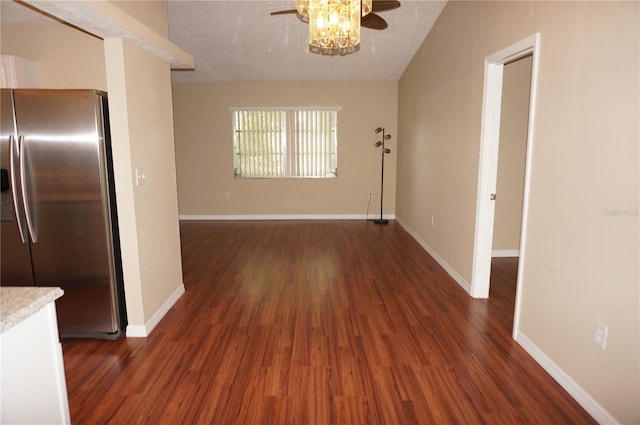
<point x="17" y="72"/>
<point x="33" y="386"/>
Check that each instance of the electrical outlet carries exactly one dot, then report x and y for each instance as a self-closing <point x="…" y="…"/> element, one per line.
<point x="227" y="195"/>
<point x="432" y="220"/>
<point x="600" y="335"/>
<point x="370" y="195"/>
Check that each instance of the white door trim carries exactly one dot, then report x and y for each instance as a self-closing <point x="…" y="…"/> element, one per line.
<point x="488" y="165"/>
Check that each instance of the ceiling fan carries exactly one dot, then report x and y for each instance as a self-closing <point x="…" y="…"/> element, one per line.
<point x="371" y="20"/>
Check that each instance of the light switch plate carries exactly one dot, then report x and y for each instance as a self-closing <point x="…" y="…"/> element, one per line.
<point x="141" y="177"/>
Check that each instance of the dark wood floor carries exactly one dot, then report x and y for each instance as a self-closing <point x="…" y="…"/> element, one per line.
<point x="318" y="322"/>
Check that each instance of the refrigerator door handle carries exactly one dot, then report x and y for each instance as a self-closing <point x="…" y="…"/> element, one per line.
<point x="14" y="189"/>
<point x="25" y="193"/>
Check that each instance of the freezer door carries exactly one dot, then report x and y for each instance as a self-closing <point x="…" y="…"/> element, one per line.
<point x="15" y="254"/>
<point x="68" y="206"/>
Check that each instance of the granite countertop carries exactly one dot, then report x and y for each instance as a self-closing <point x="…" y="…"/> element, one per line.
<point x="18" y="303"/>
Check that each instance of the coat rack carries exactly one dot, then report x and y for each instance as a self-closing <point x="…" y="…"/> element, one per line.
<point x="384" y="151"/>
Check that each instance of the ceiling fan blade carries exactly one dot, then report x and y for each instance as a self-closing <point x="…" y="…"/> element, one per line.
<point x="284" y="12"/>
<point x="384" y="5"/>
<point x="374" y="22"/>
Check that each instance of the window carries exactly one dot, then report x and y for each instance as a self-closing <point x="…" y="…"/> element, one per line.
<point x="285" y="143"/>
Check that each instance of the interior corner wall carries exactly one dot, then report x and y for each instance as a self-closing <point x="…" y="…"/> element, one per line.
<point x="204" y="150"/>
<point x="582" y="247"/>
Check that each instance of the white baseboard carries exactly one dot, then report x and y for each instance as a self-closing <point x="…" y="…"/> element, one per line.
<point x="284" y="217"/>
<point x="576" y="391"/>
<point x="505" y="253"/>
<point x="450" y="270"/>
<point x="144" y="331"/>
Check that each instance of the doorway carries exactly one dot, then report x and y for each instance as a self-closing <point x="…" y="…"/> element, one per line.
<point x="514" y="118"/>
<point x="488" y="166"/>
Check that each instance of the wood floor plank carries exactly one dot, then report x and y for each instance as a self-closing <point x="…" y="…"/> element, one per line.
<point x="318" y="322"/>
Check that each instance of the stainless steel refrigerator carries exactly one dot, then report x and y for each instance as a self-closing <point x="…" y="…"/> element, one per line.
<point x="58" y="207"/>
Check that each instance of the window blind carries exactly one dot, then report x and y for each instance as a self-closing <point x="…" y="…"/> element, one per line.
<point x="291" y="143"/>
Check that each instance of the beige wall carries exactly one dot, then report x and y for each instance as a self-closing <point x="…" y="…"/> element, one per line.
<point x="80" y="67"/>
<point x="152" y="13"/>
<point x="140" y="94"/>
<point x="204" y="149"/>
<point x="581" y="255"/>
<point x="514" y="120"/>
<point x="139" y="87"/>
<point x="141" y="113"/>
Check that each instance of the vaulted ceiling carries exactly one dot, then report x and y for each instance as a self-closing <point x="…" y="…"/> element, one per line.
<point x="238" y="40"/>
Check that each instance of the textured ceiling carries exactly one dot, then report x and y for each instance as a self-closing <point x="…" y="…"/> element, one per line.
<point x="239" y="41"/>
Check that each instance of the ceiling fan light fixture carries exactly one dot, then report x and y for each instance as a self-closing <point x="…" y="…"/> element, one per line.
<point x="302" y="7"/>
<point x="334" y="25"/>
<point x="367" y="7"/>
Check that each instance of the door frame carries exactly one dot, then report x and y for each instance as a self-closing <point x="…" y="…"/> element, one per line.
<point x="488" y="165"/>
